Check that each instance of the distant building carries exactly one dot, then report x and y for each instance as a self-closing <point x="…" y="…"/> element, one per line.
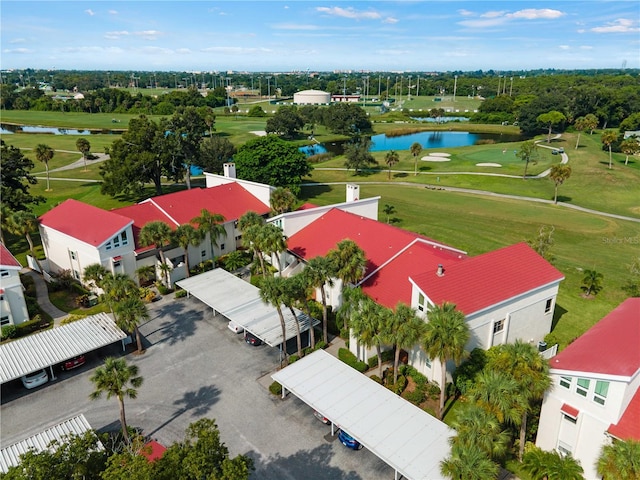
<point x="312" y="97"/>
<point x="13" y="309"/>
<point x="345" y="98"/>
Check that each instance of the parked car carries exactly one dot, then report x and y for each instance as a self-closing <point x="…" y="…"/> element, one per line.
<point x="322" y="418"/>
<point x="35" y="379"/>
<point x="348" y="441"/>
<point x="235" y="328"/>
<point x="74" y="362"/>
<point x="251" y="339"/>
<point x="554" y="152"/>
<point x="561" y="150"/>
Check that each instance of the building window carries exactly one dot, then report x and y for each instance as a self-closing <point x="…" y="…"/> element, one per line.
<point x="116" y="263"/>
<point x="564" y="448"/>
<point x="222" y="246"/>
<point x="203" y="253"/>
<point x="4" y="273"/>
<point x="116" y="241"/>
<point x="548" y="305"/>
<point x="498" y="326"/>
<point x="569" y="419"/>
<point x="238" y="238"/>
<point x="583" y="387"/>
<point x="73" y="255"/>
<point x="4" y="321"/>
<point x="123" y="236"/>
<point x="108" y="245"/>
<point x="76" y="275"/>
<point x="1" y="298"/>
<point x="421" y="302"/>
<point x="600" y="394"/>
<point x="565" y="382"/>
<point x="427" y="363"/>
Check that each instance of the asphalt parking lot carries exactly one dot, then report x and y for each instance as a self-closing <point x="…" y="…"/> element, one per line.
<point x="195" y="367"/>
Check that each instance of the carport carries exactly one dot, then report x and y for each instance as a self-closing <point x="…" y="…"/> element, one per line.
<point x="48" y="348"/>
<point x="407" y="438"/>
<point x="240" y="302"/>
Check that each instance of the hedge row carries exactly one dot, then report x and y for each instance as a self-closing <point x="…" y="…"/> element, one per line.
<point x="350" y="359"/>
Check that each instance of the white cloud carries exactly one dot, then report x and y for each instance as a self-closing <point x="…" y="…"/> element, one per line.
<point x="349" y="13"/>
<point x="465" y="13"/>
<point x="564" y="47"/>
<point x="494" y="17"/>
<point x="90" y="12"/>
<point x="586" y="47"/>
<point x="20" y="51"/>
<point x="295" y="26"/>
<point x="113" y="12"/>
<point x="146" y="34"/>
<point x="621" y="25"/>
<point x="18" y="40"/>
<point x="116" y="35"/>
<point x="236" y="50"/>
<point x="534" y="14"/>
<point x="390" y="20"/>
<point x="493" y="14"/>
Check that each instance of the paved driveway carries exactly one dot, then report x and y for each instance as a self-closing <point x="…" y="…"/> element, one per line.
<point x="196" y="367"/>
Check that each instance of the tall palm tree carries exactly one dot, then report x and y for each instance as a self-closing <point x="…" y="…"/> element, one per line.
<point x="607" y="138"/>
<point x="349" y="261"/>
<point x="416" y="150"/>
<point x="272" y="291"/>
<point x="146" y="273"/>
<point x="212" y="224"/>
<point x="270" y="241"/>
<point x="500" y="395"/>
<point x="44" y="153"/>
<point x="186" y="235"/>
<point x="131" y="311"/>
<point x="580" y="124"/>
<point x="318" y="273"/>
<point x="391" y="158"/>
<point x="290" y="296"/>
<point x="94" y="274"/>
<point x="282" y="200"/>
<point x="159" y="234"/>
<point x="445" y="336"/>
<point x="83" y="145"/>
<point x="558" y="174"/>
<point x="527" y="367"/>
<point x="630" y="146"/>
<point x="469" y="463"/>
<point x="117" y="379"/>
<point x="404" y="331"/>
<point x="249" y="219"/>
<point x="477" y="427"/>
<point x="542" y="465"/>
<point x="25" y="223"/>
<point x="352" y="298"/>
<point x="370" y="325"/>
<point x="620" y="460"/>
<point x="301" y="292"/>
<point x="117" y="288"/>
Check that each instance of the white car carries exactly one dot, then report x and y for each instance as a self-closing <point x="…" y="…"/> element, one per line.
<point x="35" y="379"/>
<point x="235" y="328"/>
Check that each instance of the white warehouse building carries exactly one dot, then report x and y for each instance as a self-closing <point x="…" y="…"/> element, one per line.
<point x="312" y="97"/>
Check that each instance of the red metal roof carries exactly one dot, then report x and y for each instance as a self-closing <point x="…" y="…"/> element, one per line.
<point x="152" y="451"/>
<point x="84" y="222"/>
<point x="488" y="279"/>
<point x="7" y="259"/>
<point x="306" y="206"/>
<point x="628" y="428"/>
<point x="379" y="241"/>
<point x="610" y="347"/>
<point x="391" y="285"/>
<point x="569" y="410"/>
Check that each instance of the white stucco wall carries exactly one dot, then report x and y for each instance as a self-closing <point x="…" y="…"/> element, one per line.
<point x="12" y="304"/>
<point x="259" y="190"/>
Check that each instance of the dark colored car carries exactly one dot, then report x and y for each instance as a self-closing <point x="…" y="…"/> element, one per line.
<point x="74" y="362"/>
<point x="348" y="441"/>
<point x="251" y="339"/>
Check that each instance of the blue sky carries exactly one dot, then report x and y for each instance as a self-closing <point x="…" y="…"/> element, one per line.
<point x="318" y="35"/>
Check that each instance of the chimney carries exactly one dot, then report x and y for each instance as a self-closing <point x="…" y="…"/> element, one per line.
<point x="353" y="192"/>
<point x="229" y="170"/>
<point x="440" y="271"/>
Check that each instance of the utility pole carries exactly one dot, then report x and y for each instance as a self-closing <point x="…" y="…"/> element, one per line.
<point x="455" y="86"/>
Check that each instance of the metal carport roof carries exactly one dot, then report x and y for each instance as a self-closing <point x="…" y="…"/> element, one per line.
<point x="407" y="438"/>
<point x="10" y="456"/>
<point x="56" y="345"/>
<point x="240" y="302"/>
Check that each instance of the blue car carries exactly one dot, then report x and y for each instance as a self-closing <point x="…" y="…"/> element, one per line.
<point x="348" y="441"/>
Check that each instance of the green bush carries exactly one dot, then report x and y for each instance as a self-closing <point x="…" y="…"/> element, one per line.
<point x="416" y="397"/>
<point x="163" y="289"/>
<point x="320" y="345"/>
<point x="35" y="324"/>
<point x="33" y="308"/>
<point x="350" y="359"/>
<point x="373" y="361"/>
<point x="399" y="386"/>
<point x="72" y="318"/>
<point x="9" y="331"/>
<point x="293" y="358"/>
<point x="275" y="388"/>
<point x="464" y="376"/>
<point x="375" y="378"/>
<point x="433" y="390"/>
<point x="181" y="293"/>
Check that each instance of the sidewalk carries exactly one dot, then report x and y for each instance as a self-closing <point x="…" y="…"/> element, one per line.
<point x="42" y="295"/>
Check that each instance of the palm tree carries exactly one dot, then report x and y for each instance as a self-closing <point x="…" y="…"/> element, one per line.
<point x="146" y="273"/>
<point x="211" y="223"/>
<point x="292" y="291"/>
<point x="445" y="336"/>
<point x="117" y="379"/>
<point x="591" y="282"/>
<point x="5" y="221"/>
<point x="117" y="288"/>
<point x="94" y="274"/>
<point x="607" y="138"/>
<point x="592" y="122"/>
<point x="130" y="311"/>
<point x="270" y="241"/>
<point x="469" y="463"/>
<point x="318" y="272"/>
<point x="25" y="223"/>
<point x="159" y="234"/>
<point x="391" y="158"/>
<point x="249" y="219"/>
<point x="44" y="153"/>
<point x="580" y="124"/>
<point x="282" y="200"/>
<point x="272" y="291"/>
<point x="476" y="427"/>
<point x="370" y="325"/>
<point x="500" y="395"/>
<point x="186" y="235"/>
<point x="352" y="299"/>
<point x="542" y="465"/>
<point x="415" y="149"/>
<point x="83" y="145"/>
<point x="551" y="118"/>
<point x="630" y="147"/>
<point x="404" y="331"/>
<point x="525" y="364"/>
<point x="388" y="210"/>
<point x="559" y="173"/>
<point x="526" y="152"/>
<point x="620" y="460"/>
<point x="349" y="262"/>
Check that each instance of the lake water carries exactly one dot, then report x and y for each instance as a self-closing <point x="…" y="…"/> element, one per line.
<point x="6" y="129"/>
<point x="428" y="140"/>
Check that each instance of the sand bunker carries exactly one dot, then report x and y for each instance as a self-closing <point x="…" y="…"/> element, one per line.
<point x="439" y="154"/>
<point x="489" y="164"/>
<point x="259" y="133"/>
<point x="431" y="158"/>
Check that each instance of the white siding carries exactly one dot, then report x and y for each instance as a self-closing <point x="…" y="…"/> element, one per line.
<point x="12" y="304"/>
<point x="259" y="190"/>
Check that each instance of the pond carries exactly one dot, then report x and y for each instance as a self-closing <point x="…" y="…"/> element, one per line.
<point x="6" y="129"/>
<point x="428" y="140"/>
<point x="440" y="119"/>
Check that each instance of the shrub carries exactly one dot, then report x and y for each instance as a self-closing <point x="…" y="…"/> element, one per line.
<point x="416" y="397"/>
<point x="320" y="345"/>
<point x="82" y="300"/>
<point x="399" y="386"/>
<point x="464" y="376"/>
<point x="275" y="388"/>
<point x="181" y="293"/>
<point x="307" y="350"/>
<point x="376" y="378"/>
<point x="163" y="289"/>
<point x="33" y="308"/>
<point x="9" y="331"/>
<point x="72" y="318"/>
<point x="433" y="390"/>
<point x="350" y="359"/>
<point x="293" y="358"/>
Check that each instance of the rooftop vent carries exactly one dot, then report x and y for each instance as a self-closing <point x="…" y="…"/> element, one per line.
<point x="440" y="271"/>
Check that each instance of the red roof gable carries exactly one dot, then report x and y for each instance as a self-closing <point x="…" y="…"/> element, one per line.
<point x="488" y="279"/>
<point x="609" y="347"/>
<point x="7" y="259"/>
<point x="379" y="241"/>
<point x="84" y="222"/>
<point x="628" y="428"/>
<point x="391" y="285"/>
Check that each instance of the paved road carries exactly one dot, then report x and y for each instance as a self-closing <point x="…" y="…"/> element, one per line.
<point x="195" y="367"/>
